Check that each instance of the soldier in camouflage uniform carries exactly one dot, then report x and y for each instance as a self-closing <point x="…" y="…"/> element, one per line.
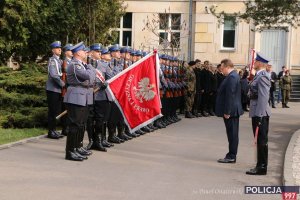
<point x="190" y="78"/>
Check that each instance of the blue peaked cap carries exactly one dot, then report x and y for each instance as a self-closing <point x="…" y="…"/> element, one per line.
<point x="133" y="53"/>
<point x="78" y="47"/>
<point x="139" y="53"/>
<point x="145" y="53"/>
<point x="261" y="58"/>
<point x="164" y="56"/>
<point x="68" y="47"/>
<point x="96" y="47"/>
<point x="105" y="51"/>
<point x="56" y="44"/>
<point x="125" y="50"/>
<point x="87" y="49"/>
<point x="115" y="47"/>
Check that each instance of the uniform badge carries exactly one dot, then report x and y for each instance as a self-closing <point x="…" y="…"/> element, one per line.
<point x="78" y="66"/>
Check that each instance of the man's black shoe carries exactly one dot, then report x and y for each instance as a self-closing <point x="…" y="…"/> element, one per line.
<point x="205" y="114"/>
<point x="257" y="171"/>
<point x="189" y="115"/>
<point x="58" y="134"/>
<point x="52" y="135"/>
<point x="72" y="156"/>
<point x="227" y="160"/>
<point x="114" y="139"/>
<point x="80" y="155"/>
<point x="107" y="144"/>
<point x="98" y="146"/>
<point x="84" y="152"/>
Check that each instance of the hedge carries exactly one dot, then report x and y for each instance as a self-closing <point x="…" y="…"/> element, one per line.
<point x="23" y="97"/>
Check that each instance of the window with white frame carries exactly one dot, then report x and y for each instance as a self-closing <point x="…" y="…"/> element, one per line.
<point x="229" y="34"/>
<point x="125" y="30"/>
<point x="169" y="29"/>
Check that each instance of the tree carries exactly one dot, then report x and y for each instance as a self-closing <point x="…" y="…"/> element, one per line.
<point x="27" y="27"/>
<point x="266" y="13"/>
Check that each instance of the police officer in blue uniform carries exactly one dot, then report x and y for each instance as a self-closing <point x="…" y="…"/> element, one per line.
<point x="115" y="118"/>
<point x="54" y="87"/>
<point x="95" y="120"/>
<point x="79" y="76"/>
<point x="260" y="112"/>
<point x="67" y="60"/>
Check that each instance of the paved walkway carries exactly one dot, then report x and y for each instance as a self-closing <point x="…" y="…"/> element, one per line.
<point x="174" y="163"/>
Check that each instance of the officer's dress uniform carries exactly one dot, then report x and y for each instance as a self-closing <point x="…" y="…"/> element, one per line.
<point x="177" y="92"/>
<point x="260" y="113"/>
<point x="77" y="98"/>
<point x="162" y="86"/>
<point x="102" y="109"/>
<point x="115" y="115"/>
<point x="66" y="62"/>
<point x="54" y="87"/>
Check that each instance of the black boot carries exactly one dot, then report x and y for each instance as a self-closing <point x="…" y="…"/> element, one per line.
<point x="91" y="136"/>
<point x="81" y="152"/>
<point x="112" y="135"/>
<point x="103" y="137"/>
<point x="97" y="144"/>
<point x="158" y="124"/>
<point x="146" y="129"/>
<point x="127" y="132"/>
<point x="71" y="153"/>
<point x="262" y="161"/>
<point x="121" y="132"/>
<point x="152" y="127"/>
<point x="139" y="132"/>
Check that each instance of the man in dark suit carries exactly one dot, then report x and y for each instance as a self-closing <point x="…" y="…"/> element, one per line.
<point x="229" y="106"/>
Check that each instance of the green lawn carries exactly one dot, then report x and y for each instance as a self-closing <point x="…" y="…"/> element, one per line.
<point x="13" y="135"/>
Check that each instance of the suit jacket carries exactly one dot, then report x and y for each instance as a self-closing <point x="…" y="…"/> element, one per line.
<point x="229" y="96"/>
<point x="54" y="82"/>
<point x="259" y="95"/>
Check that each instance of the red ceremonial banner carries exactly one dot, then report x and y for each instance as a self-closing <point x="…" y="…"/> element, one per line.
<point x="136" y="92"/>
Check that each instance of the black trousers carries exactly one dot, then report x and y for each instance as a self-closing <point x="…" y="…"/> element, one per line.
<point x="204" y="101"/>
<point x="54" y="101"/>
<point x="102" y="110"/>
<point x="115" y="115"/>
<point x="77" y="119"/>
<point x="262" y="138"/>
<point x="272" y="98"/>
<point x="197" y="102"/>
<point x="211" y="101"/>
<point x="232" y="130"/>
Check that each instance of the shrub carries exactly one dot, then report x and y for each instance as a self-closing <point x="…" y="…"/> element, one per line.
<point x="23" y="97"/>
